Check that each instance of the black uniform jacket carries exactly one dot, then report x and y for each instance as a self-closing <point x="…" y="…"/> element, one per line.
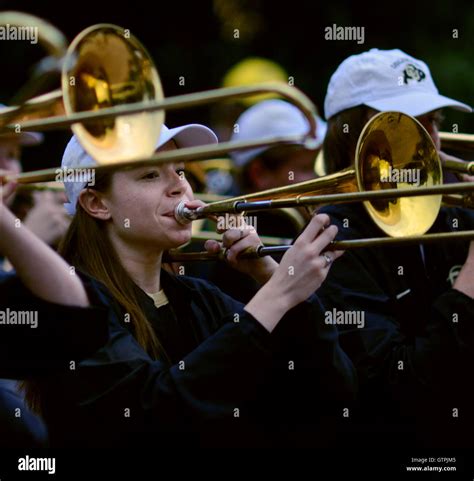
<point x="224" y="381"/>
<point x="36" y="335"/>
<point x="414" y="354"/>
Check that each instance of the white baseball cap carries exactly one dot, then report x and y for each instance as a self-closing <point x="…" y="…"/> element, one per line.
<point x="268" y="119"/>
<point x="75" y="156"/>
<point x="23" y="138"/>
<point x="385" y="80"/>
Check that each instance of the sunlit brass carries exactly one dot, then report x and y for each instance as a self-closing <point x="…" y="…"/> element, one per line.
<point x="390" y="144"/>
<point x="462" y="144"/>
<point x="261" y="251"/>
<point x="112" y="99"/>
<point x="103" y="67"/>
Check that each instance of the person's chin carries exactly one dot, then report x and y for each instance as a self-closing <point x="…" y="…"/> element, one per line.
<point x="178" y="239"/>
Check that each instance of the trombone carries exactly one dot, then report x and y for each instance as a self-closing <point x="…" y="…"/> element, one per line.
<point x="111" y="97"/>
<point x="458" y="142"/>
<point x="263" y="250"/>
<point x="51" y="39"/>
<point x="113" y="101"/>
<point x="390" y="140"/>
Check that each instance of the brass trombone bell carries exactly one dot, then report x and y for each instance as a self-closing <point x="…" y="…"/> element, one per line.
<point x="391" y="143"/>
<point x="112" y="99"/>
<point x="459" y="142"/>
<point x="397" y="143"/>
<point x="103" y="67"/>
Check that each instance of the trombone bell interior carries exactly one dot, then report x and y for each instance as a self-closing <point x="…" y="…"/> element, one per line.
<point x="396" y="152"/>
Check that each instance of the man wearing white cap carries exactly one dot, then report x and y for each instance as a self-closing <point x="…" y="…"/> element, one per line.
<point x="417" y="301"/>
<point x="42" y="212"/>
<point x="378" y="81"/>
<point x="267" y="167"/>
<point x="275" y="166"/>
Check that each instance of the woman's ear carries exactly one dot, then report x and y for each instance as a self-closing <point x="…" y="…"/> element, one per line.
<point x="93" y="203"/>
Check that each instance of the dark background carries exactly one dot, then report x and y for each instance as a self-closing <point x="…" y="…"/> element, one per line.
<point x="195" y="39"/>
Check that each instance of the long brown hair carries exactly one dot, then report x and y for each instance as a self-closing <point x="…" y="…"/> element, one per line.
<point x="87" y="247"/>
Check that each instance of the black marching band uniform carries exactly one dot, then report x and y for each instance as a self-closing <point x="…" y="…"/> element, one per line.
<point x="414" y="352"/>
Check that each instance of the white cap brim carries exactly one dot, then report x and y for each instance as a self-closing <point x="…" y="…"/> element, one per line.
<point x="416" y="103"/>
<point x="191" y="135"/>
<point x="243" y="157"/>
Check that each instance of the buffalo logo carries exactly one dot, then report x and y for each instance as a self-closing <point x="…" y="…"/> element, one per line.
<point x="453" y="274"/>
<point x="413" y="73"/>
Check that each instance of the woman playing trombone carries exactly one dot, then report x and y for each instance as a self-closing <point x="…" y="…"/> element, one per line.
<point x="184" y="362"/>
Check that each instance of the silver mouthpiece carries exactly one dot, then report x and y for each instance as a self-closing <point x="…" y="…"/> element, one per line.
<point x="184" y="215"/>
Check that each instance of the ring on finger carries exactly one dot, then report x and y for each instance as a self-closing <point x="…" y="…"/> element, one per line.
<point x="327" y="258"/>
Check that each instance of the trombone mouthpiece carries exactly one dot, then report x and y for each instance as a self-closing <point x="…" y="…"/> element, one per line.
<point x="184" y="215"/>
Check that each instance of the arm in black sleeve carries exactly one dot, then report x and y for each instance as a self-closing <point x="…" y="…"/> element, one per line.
<point x="381" y="350"/>
<point x="311" y="380"/>
<point x="325" y="371"/>
<point x="222" y="374"/>
<point x="210" y="382"/>
<point x="303" y="338"/>
<point x="54" y="334"/>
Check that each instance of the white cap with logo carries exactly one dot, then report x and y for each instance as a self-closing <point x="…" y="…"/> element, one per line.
<point x="267" y="119"/>
<point x="385" y="80"/>
<point x="75" y="156"/>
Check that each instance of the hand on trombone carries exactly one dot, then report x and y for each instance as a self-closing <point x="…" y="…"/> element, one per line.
<point x="301" y="272"/>
<point x="6" y="188"/>
<point x="236" y="240"/>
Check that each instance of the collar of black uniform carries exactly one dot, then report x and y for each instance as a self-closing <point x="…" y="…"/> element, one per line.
<point x="178" y="292"/>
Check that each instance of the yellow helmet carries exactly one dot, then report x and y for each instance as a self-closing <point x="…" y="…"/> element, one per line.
<point x="254" y="70"/>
